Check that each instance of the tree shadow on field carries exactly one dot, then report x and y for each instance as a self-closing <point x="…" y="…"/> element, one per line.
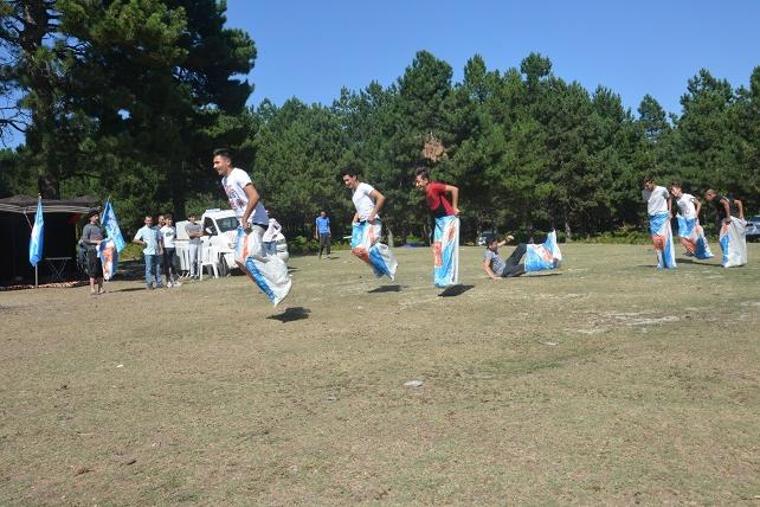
<point x="131" y="289"/>
<point x="291" y="314"/>
<point x="542" y="275"/>
<point x="455" y="290"/>
<point x="385" y="288"/>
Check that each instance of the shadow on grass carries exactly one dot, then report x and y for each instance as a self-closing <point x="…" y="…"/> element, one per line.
<point x="541" y="274"/>
<point x="130" y="289"/>
<point x="131" y="270"/>
<point x="291" y="314"/>
<point x="455" y="290"/>
<point x="385" y="288"/>
<point x="704" y="263"/>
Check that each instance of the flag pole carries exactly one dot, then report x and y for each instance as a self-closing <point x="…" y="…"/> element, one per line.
<point x="36" y="269"/>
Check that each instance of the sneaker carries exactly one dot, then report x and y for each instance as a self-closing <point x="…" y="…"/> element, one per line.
<point x="169" y="285"/>
<point x="159" y="286"/>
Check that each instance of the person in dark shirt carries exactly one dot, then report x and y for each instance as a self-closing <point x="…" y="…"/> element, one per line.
<point x="725" y="208"/>
<point x="92" y="235"/>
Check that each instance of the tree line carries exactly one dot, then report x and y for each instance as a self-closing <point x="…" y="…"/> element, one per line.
<point x="127" y="99"/>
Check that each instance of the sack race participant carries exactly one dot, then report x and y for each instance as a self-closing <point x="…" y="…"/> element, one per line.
<point x="367" y="226"/>
<point x="693" y="238"/>
<point x="268" y="272"/>
<point x="538" y="257"/>
<point x="445" y="228"/>
<point x="690" y="231"/>
<point x="446" y="251"/>
<point x="543" y="256"/>
<point x="365" y="244"/>
<point x="733" y="242"/>
<point x="732" y="230"/>
<point x="659" y="210"/>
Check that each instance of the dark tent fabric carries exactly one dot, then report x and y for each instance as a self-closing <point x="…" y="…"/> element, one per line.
<point x="61" y="219"/>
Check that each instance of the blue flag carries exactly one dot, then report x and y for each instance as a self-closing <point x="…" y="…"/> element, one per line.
<point x="111" y="226"/>
<point x="35" y="242"/>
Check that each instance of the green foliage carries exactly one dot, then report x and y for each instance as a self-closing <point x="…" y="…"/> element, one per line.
<point x="624" y="235"/>
<point x="128" y="99"/>
<point x="131" y="252"/>
<point x="301" y="245"/>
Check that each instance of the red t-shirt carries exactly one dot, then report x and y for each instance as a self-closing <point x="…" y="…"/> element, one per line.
<point x="435" y="194"/>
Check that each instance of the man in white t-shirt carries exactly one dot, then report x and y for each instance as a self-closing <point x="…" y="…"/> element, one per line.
<point x="269" y="273"/>
<point x="367" y="226"/>
<point x="658" y="208"/>
<point x="690" y="231"/>
<point x="656" y="197"/>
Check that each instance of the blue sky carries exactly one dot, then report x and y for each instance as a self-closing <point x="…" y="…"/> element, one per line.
<point x="310" y="49"/>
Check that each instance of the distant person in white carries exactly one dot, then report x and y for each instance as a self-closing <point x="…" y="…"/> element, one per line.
<point x="194" y="233"/>
<point x="271" y="235"/>
<point x="657" y="198"/>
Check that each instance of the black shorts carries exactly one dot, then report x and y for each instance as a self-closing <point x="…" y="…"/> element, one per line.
<point x="93" y="264"/>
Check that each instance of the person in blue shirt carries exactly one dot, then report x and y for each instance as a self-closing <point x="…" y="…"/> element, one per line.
<point x="322" y="233"/>
<point x="149" y="238"/>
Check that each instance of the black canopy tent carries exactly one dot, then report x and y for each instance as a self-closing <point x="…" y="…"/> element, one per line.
<point x="60" y="236"/>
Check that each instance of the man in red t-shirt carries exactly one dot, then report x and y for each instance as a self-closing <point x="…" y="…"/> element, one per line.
<point x="435" y="194"/>
<point x="446" y="232"/>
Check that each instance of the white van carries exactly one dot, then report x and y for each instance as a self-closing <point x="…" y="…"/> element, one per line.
<point x="220" y="232"/>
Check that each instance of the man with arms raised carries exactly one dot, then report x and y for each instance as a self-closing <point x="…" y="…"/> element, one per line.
<point x="732" y="229"/>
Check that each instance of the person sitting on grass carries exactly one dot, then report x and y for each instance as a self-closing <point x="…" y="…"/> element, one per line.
<point x="538" y="257"/>
<point x="496" y="267"/>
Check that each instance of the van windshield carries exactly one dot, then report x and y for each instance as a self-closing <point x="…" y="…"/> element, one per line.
<point x="227" y="223"/>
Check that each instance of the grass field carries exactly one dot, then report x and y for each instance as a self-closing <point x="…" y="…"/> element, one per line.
<point x="606" y="382"/>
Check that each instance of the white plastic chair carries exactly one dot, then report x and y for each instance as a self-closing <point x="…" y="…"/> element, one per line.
<point x="183" y="254"/>
<point x="208" y="256"/>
